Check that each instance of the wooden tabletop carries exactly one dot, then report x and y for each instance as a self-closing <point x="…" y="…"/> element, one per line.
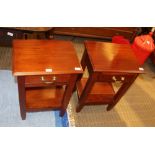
<point x="37" y="57"/>
<point x="111" y="57"/>
<point x="33" y="28"/>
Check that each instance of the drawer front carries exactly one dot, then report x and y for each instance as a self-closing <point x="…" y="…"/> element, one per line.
<point x="113" y="77"/>
<point x="39" y="80"/>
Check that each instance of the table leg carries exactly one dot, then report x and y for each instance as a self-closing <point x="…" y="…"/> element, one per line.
<point x="85" y="92"/>
<point x="84" y="59"/>
<point x="121" y="92"/>
<point x="83" y="64"/>
<point x="22" y="96"/>
<point x="68" y="93"/>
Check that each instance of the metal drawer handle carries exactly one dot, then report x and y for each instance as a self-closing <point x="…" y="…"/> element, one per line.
<point x="42" y="78"/>
<point x="114" y="78"/>
<point x="48" y="82"/>
<point x="54" y="78"/>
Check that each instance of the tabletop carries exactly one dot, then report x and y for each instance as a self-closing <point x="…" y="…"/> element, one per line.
<point x="111" y="57"/>
<point x="37" y="29"/>
<point x="37" y="57"/>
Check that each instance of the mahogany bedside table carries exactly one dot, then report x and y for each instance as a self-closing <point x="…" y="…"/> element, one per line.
<point x="107" y="63"/>
<point x="46" y="72"/>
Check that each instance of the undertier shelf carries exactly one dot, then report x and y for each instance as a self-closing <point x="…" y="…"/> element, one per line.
<point x="101" y="91"/>
<point x="44" y="98"/>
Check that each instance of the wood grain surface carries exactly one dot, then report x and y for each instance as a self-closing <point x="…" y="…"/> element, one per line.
<point x="36" y="57"/>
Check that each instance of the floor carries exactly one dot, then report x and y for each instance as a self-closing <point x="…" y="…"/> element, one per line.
<point x="136" y="108"/>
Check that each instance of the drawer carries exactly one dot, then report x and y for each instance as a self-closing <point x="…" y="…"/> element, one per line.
<point x="40" y="80"/>
<point x="113" y="77"/>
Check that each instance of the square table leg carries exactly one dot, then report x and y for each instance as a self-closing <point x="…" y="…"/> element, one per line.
<point x="22" y="96"/>
<point x="68" y="92"/>
<point x="85" y="92"/>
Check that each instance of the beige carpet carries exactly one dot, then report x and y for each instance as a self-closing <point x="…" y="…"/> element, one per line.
<point x="136" y="108"/>
<point x="5" y="57"/>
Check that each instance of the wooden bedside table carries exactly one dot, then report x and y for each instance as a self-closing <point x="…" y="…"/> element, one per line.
<point x="107" y="63"/>
<point x="46" y="73"/>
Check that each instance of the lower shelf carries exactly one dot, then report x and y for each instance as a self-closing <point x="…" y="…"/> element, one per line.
<point x="43" y="98"/>
<point x="101" y="92"/>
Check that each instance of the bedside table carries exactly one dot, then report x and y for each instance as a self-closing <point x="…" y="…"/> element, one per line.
<point x="107" y="64"/>
<point x="46" y="72"/>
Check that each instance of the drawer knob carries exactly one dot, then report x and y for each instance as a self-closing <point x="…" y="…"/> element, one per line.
<point x="42" y="78"/>
<point x="122" y="78"/>
<point x="54" y="78"/>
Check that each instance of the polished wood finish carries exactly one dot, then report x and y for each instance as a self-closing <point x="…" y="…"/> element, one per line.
<point x="33" y="57"/>
<point x="99" y="92"/>
<point x="47" y="71"/>
<point x="68" y="92"/>
<point x="117" y="57"/>
<point x="106" y="63"/>
<point x="39" y="98"/>
<point x="35" y="29"/>
<point x="98" y="32"/>
<point x="22" y="96"/>
<point x="44" y="80"/>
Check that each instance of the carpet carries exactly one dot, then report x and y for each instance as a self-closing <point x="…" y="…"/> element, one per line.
<point x="10" y="112"/>
<point x="5" y="58"/>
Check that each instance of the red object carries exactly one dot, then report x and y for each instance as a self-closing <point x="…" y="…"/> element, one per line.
<point x="143" y="46"/>
<point x="120" y="40"/>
